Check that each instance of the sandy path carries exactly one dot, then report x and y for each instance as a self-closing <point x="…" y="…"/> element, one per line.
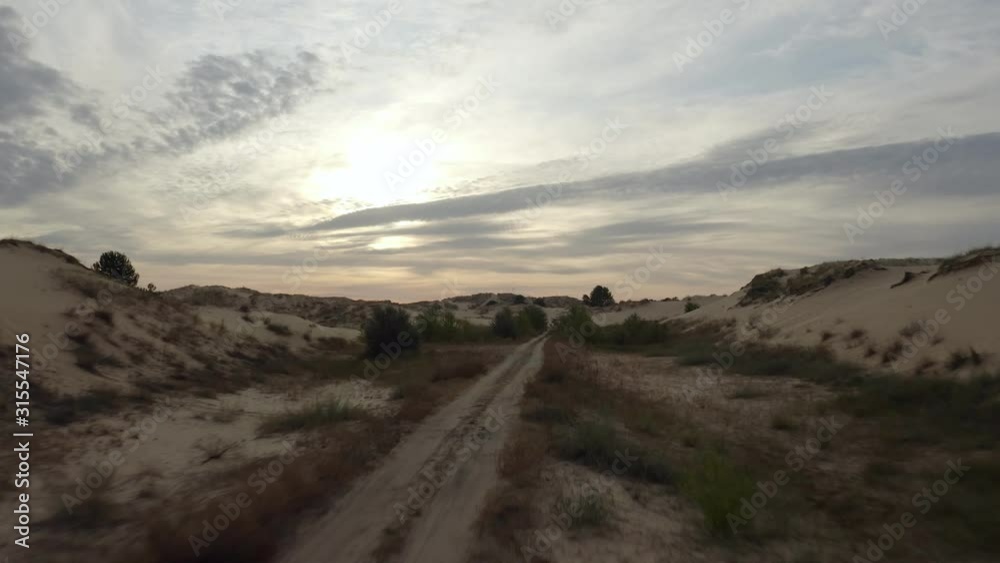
<point x="450" y="459"/>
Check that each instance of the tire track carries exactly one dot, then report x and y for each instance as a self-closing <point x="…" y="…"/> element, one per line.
<point x="354" y="528"/>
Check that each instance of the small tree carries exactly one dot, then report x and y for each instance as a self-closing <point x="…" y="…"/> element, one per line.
<point x="536" y="319"/>
<point x="438" y="324"/>
<point x="117" y="266"/>
<point x="601" y="296"/>
<point x="388" y="331"/>
<point x="575" y="322"/>
<point x="690" y="306"/>
<point x="503" y="324"/>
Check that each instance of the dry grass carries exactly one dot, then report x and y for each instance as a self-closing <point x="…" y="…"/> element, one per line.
<point x="257" y="533"/>
<point x="317" y="415"/>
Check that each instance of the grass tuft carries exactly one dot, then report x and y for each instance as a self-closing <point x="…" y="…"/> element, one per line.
<point x="314" y="416"/>
<point x="717" y="485"/>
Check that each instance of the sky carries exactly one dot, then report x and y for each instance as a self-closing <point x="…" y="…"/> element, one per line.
<point x="418" y="150"/>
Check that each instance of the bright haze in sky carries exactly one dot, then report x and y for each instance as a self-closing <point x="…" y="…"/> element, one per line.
<point x="411" y="150"/>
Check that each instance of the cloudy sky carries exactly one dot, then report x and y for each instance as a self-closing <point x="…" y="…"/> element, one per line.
<point x="412" y="150"/>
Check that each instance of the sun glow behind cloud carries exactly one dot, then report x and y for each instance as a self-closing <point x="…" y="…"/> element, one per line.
<point x="393" y="242"/>
<point x="377" y="172"/>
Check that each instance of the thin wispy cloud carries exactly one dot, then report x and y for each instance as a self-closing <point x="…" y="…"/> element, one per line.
<point x="250" y="139"/>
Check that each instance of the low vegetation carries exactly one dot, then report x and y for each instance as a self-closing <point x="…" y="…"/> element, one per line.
<point x="388" y="331"/>
<point x="835" y="504"/>
<point x="279" y="329"/>
<point x="975" y="257"/>
<point x="118" y="267"/>
<point x="717" y="486"/>
<point x="317" y="415"/>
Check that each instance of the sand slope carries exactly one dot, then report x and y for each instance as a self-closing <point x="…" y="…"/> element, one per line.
<point x="865" y="319"/>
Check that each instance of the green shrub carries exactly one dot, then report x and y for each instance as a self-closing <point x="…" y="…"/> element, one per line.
<point x="601" y="296"/>
<point x="388" y="331"/>
<point x="576" y="321"/>
<point x="691" y="306"/>
<point x="535" y="319"/>
<point x="597" y="444"/>
<point x="438" y="325"/>
<point x="717" y="486"/>
<point x="118" y="267"/>
<point x="503" y="324"/>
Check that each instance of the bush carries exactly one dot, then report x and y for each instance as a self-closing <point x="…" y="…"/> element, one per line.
<point x="575" y="321"/>
<point x="503" y="324"/>
<point x="535" y="318"/>
<point x="117" y="266"/>
<point x="690" y="306"/>
<point x="601" y="296"/>
<point x="438" y="325"/>
<point x="597" y="444"/>
<point x="717" y="486"/>
<point x="388" y="328"/>
<point x="637" y="331"/>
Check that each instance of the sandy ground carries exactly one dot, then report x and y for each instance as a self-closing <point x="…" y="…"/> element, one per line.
<point x="165" y="449"/>
<point x="967" y="301"/>
<point x="645" y="525"/>
<point x="299" y="327"/>
<point x="457" y="446"/>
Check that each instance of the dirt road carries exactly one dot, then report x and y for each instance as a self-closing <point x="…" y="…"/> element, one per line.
<point x="429" y="491"/>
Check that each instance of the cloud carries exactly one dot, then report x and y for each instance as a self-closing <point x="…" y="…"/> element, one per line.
<point x="260" y="144"/>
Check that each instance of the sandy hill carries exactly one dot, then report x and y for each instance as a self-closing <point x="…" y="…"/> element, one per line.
<point x="113" y="367"/>
<point x="910" y="316"/>
<point x="327" y="311"/>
